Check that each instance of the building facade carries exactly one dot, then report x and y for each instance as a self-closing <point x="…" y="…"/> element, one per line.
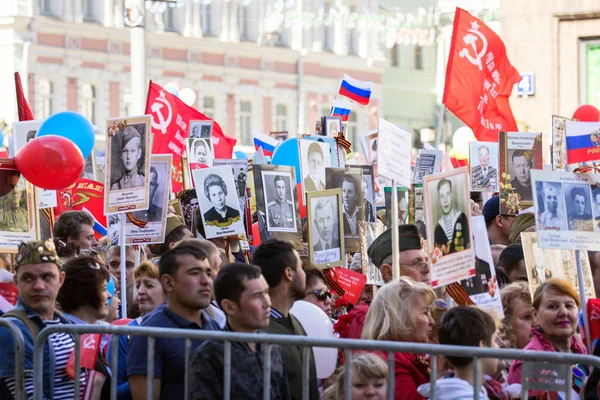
<point x="253" y="65"/>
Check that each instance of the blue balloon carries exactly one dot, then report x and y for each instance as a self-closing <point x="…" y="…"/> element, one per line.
<point x="287" y="154"/>
<point x="240" y="155"/>
<point x="171" y="89"/>
<point x="72" y="126"/>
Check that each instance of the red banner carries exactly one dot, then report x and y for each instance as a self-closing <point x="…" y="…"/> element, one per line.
<point x="479" y="78"/>
<point x="170" y="121"/>
<point x="84" y="194"/>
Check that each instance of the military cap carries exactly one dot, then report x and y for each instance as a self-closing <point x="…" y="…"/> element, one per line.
<point x="408" y="239"/>
<point x="37" y="252"/>
<point x="130" y="133"/>
<point x="520" y="223"/>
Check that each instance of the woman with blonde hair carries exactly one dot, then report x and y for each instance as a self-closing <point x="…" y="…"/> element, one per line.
<point x="518" y="318"/>
<point x="555" y="309"/>
<point x="401" y="312"/>
<point x="369" y="379"/>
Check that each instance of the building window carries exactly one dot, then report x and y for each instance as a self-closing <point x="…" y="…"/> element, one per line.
<point x="169" y="20"/>
<point x="419" y="57"/>
<point x="352" y="128"/>
<point x="281" y="117"/>
<point x="245" y="122"/>
<point x="209" y="107"/>
<point x="88" y="10"/>
<point x="46" y="7"/>
<point x="128" y="101"/>
<point x="328" y="29"/>
<point x="88" y="102"/>
<point x="46" y="91"/>
<point x="395" y="55"/>
<point x="243" y="22"/>
<point x="207" y="28"/>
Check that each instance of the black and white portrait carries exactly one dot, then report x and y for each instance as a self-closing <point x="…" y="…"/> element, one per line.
<point x="579" y="206"/>
<point x="219" y="204"/>
<point x="22" y="133"/>
<point x="128" y="158"/>
<point x="314" y="158"/>
<point x="89" y="172"/>
<point x="189" y="203"/>
<point x="551" y="206"/>
<point x="280" y="136"/>
<point x="239" y="168"/>
<point x="483" y="160"/>
<point x="596" y="203"/>
<point x="325" y="231"/>
<point x="368" y="186"/>
<point x="350" y="181"/>
<point x="449" y="227"/>
<point x="200" y="151"/>
<point x="200" y="129"/>
<point x="332" y="126"/>
<point x="519" y="164"/>
<point x="403" y="211"/>
<point x="279" y="200"/>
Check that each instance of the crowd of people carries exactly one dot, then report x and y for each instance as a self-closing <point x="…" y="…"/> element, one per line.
<point x="197" y="284"/>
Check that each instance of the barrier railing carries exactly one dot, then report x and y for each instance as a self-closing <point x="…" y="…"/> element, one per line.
<point x="548" y="377"/>
<point x="19" y="357"/>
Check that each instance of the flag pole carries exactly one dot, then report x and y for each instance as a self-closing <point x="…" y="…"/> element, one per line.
<point x="394" y="228"/>
<point x="123" y="267"/>
<point x="440" y="125"/>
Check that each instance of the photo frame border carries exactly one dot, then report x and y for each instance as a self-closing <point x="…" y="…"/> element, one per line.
<point x="310" y="196"/>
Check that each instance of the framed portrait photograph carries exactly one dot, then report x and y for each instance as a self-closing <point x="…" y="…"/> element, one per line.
<point x="325" y="229"/>
<point x="89" y="171"/>
<point x="219" y="203"/>
<point x="559" y="143"/>
<point x="314" y="158"/>
<point x="349" y="180"/>
<point x="428" y="162"/>
<point x="199" y="154"/>
<point x="149" y="226"/>
<point x="200" y="129"/>
<point x="127" y="164"/>
<point x="332" y="126"/>
<point x="45" y="223"/>
<point x="239" y="168"/>
<point x="448" y="214"/>
<point x="483" y="161"/>
<point x="280" y="136"/>
<point x="403" y="203"/>
<point x="520" y="153"/>
<point x="188" y="202"/>
<point x="370" y="231"/>
<point x="277" y="203"/>
<point x="368" y="186"/>
<point x="17" y="211"/>
<point x="566" y="212"/>
<point x="22" y="133"/>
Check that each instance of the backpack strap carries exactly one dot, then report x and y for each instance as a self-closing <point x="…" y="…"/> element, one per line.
<point x="22" y="316"/>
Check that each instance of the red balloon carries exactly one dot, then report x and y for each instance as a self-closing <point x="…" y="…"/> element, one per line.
<point x="587" y="113"/>
<point x="50" y="162"/>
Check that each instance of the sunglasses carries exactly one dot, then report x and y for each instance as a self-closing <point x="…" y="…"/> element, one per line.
<point x="320" y="294"/>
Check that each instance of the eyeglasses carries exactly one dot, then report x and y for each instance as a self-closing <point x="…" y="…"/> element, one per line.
<point x="421" y="266"/>
<point x="320" y="294"/>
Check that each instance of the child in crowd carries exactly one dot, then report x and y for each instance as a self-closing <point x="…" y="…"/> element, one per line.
<point x="369" y="379"/>
<point x="464" y="326"/>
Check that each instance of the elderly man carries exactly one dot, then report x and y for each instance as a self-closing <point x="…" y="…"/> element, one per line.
<point x="281" y="210"/>
<point x="325" y="220"/>
<point x="521" y="183"/>
<point x="131" y="153"/>
<point x="483" y="175"/>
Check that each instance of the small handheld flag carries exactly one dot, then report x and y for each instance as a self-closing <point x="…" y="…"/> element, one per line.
<point x="341" y="108"/>
<point x="266" y="142"/>
<point x="583" y="141"/>
<point x="359" y="91"/>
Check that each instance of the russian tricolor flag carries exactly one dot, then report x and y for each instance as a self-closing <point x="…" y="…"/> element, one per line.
<point x="583" y="141"/>
<point x="359" y="91"/>
<point x="98" y="227"/>
<point x="341" y="108"/>
<point x="267" y="143"/>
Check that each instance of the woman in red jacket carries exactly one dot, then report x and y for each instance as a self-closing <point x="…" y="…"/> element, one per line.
<point x="401" y="312"/>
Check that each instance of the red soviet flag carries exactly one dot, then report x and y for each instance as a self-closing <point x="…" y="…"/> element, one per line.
<point x="170" y="121"/>
<point x="479" y="78"/>
<point x="25" y="113"/>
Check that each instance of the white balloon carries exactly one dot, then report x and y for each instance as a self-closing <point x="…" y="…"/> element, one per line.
<point x="462" y="137"/>
<point x="317" y="325"/>
<point x="188" y="96"/>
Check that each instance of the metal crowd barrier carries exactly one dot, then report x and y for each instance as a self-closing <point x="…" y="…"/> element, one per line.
<point x="19" y="357"/>
<point x="553" y="369"/>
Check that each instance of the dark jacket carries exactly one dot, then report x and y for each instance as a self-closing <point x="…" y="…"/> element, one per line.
<point x="207" y="367"/>
<point x="292" y="358"/>
<point x="461" y="237"/>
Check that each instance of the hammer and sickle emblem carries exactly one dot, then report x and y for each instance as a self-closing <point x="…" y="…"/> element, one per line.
<point x="157" y="110"/>
<point x="89" y="342"/>
<point x="471" y="39"/>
